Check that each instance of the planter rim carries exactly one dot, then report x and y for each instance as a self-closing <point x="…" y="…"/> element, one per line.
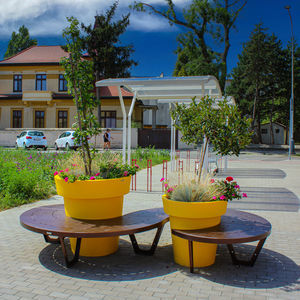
<point x="57" y="177"/>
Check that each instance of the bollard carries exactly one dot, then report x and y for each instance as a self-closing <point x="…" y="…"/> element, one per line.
<point x="197" y="163"/>
<point x="133" y="179"/>
<point x="164" y="172"/>
<point x="149" y="175"/>
<point x="180" y="169"/>
<point x="178" y="154"/>
<point x="188" y="160"/>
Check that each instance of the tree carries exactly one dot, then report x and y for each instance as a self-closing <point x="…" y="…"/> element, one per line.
<point x="222" y="126"/>
<point x="111" y="60"/>
<point x="202" y="19"/>
<point x="79" y="75"/>
<point x="259" y="80"/>
<point x="19" y="41"/>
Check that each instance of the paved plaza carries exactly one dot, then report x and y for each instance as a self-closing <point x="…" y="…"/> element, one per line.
<point x="32" y="269"/>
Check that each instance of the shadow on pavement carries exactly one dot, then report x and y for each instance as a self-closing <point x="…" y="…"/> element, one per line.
<point x="268" y="199"/>
<point x="272" y="270"/>
<point x="253" y="173"/>
<point x="124" y="265"/>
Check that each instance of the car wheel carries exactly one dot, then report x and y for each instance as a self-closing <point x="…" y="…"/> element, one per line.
<point x="45" y="148"/>
<point x="24" y="145"/>
<point x="56" y="147"/>
<point x="67" y="147"/>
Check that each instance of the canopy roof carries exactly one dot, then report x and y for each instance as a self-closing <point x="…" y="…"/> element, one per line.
<point x="150" y="88"/>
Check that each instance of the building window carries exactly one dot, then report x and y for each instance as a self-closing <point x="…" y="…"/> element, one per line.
<point x="62" y="83"/>
<point x="17" y="83"/>
<point x="39" y="119"/>
<point x="277" y="130"/>
<point x="264" y="131"/>
<point x="62" y="119"/>
<point x="108" y="119"/>
<point x="17" y="119"/>
<point x="40" y="82"/>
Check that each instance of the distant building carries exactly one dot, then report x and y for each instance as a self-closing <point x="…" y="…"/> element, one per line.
<point x="33" y="93"/>
<point x="279" y="132"/>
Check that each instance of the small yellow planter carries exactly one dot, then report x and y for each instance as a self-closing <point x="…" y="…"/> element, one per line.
<point x="189" y="216"/>
<point x="94" y="200"/>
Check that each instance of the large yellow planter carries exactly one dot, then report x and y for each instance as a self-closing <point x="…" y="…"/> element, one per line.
<point x="189" y="216"/>
<point x="94" y="200"/>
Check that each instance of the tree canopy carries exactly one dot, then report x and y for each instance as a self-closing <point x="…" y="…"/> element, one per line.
<point x="261" y="80"/>
<point x="110" y="58"/>
<point x="205" y="21"/>
<point x="19" y="41"/>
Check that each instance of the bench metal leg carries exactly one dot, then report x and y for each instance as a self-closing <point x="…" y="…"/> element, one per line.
<point x="151" y="251"/>
<point x="70" y="263"/>
<point x="254" y="256"/>
<point x="50" y="240"/>
<point x="191" y="255"/>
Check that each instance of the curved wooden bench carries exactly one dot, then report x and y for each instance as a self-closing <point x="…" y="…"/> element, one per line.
<point x="236" y="227"/>
<point x="52" y="221"/>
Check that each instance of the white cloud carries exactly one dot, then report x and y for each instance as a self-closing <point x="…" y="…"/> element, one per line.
<point x="48" y="17"/>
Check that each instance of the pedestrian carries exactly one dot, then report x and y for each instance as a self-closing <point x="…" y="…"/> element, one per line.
<point x="107" y="138"/>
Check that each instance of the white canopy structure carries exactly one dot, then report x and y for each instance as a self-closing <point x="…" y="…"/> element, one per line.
<point x="167" y="89"/>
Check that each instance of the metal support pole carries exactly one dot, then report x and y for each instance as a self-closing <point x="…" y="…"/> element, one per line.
<point x="124" y="124"/>
<point x="129" y="128"/>
<point x="291" y="130"/>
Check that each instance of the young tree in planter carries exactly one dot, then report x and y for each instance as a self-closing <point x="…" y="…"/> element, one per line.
<point x="220" y="123"/>
<point x="79" y="74"/>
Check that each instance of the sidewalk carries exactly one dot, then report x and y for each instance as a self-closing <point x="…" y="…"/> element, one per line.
<point x="32" y="269"/>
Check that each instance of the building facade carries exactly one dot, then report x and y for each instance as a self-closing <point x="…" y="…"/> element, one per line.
<point x="33" y="93"/>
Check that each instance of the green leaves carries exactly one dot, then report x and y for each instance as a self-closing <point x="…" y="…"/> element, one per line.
<point x="19" y="41"/>
<point x="220" y="123"/>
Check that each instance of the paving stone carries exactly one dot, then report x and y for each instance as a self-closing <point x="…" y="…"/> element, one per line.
<point x="32" y="269"/>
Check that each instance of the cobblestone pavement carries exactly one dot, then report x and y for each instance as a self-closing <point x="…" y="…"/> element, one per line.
<point x="32" y="269"/>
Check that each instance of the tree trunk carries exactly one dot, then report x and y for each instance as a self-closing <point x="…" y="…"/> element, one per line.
<point x="259" y="128"/>
<point x="202" y="159"/>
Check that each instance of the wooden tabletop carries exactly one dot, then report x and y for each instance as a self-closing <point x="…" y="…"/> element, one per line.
<point x="235" y="227"/>
<point x="52" y="220"/>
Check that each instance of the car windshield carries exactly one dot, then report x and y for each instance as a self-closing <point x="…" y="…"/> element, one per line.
<point x="35" y="133"/>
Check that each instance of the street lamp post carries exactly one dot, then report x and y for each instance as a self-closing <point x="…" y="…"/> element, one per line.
<point x="291" y="130"/>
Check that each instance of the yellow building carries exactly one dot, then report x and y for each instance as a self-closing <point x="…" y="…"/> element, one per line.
<point x="33" y="93"/>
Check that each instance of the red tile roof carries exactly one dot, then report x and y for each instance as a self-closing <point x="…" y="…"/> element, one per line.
<point x="37" y="54"/>
<point x="112" y="91"/>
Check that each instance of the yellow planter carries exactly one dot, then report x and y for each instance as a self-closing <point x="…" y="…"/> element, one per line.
<point x="94" y="200"/>
<point x="189" y="216"/>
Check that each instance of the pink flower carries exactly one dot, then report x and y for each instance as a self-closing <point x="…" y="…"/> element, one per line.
<point x="74" y="165"/>
<point x="166" y="185"/>
<point x="212" y="181"/>
<point x="115" y="159"/>
<point x="61" y="171"/>
<point x="237" y="186"/>
<point x="66" y="179"/>
<point x="125" y="173"/>
<point x="92" y="178"/>
<point x="229" y="178"/>
<point x="222" y="197"/>
<point x="162" y="180"/>
<point x="214" y="197"/>
<point x="233" y="195"/>
<point x="245" y="195"/>
<point x="55" y="173"/>
<point x="137" y="166"/>
<point x="66" y="170"/>
<point x="170" y="190"/>
<point x="97" y="174"/>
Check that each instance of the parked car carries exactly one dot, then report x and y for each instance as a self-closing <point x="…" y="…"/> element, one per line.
<point x="31" y="139"/>
<point x="66" y="140"/>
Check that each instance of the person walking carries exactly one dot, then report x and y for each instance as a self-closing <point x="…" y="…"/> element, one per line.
<point x="107" y="138"/>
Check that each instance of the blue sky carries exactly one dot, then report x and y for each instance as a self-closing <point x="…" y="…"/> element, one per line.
<point x="153" y="39"/>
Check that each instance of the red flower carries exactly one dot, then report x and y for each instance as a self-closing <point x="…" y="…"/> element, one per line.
<point x="229" y="178"/>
